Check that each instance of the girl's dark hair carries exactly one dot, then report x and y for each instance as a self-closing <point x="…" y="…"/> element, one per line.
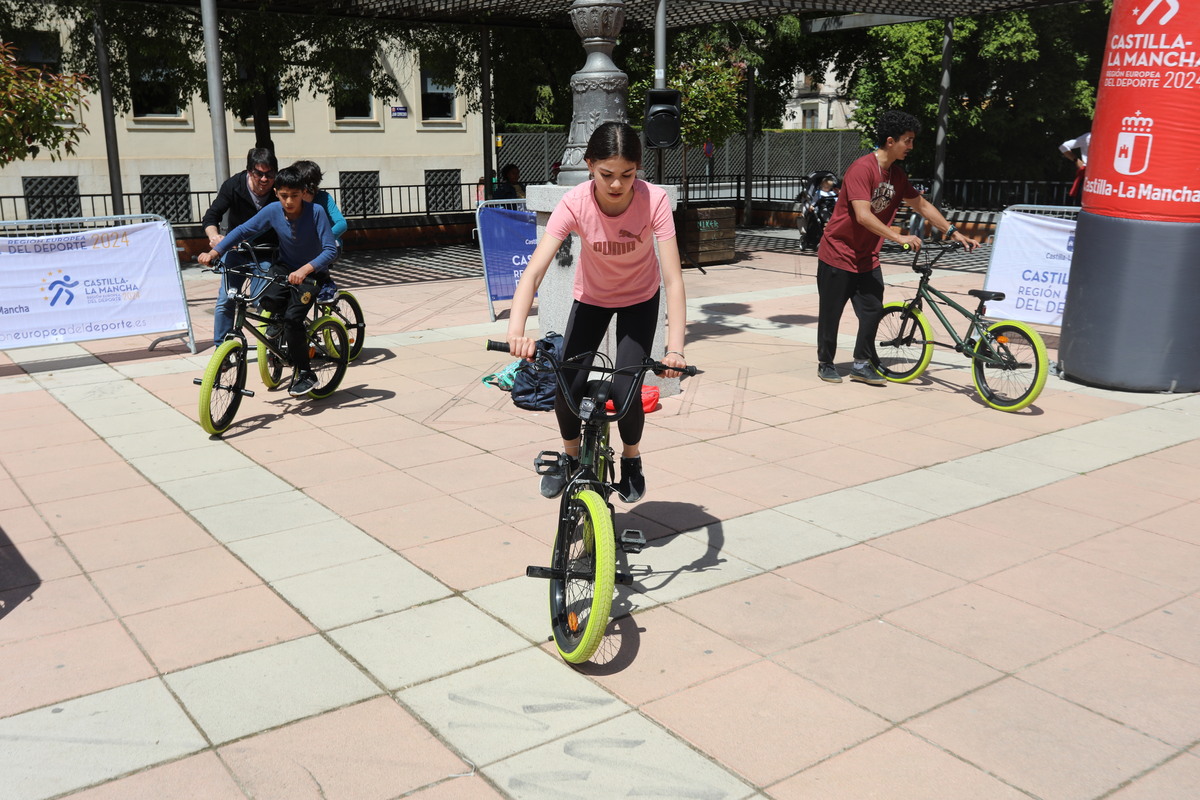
<point x="310" y="173"/>
<point x="894" y="124"/>
<point x="290" y="178"/>
<point x="614" y="139"/>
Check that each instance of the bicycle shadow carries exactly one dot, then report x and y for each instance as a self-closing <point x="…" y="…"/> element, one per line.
<point x="929" y="383"/>
<point x="18" y="580"/>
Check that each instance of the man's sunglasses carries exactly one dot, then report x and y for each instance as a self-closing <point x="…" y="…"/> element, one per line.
<point x="268" y="175"/>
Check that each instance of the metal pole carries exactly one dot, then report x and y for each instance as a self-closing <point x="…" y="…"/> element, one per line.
<point x="749" y="145"/>
<point x="485" y="101"/>
<point x="939" y="154"/>
<point x="110" y="121"/>
<point x="216" y="90"/>
<point x="660" y="67"/>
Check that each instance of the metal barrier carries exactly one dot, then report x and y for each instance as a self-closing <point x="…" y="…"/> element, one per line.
<point x="70" y="236"/>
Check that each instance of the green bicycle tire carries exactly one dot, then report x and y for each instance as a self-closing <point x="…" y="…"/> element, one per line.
<point x="328" y="355"/>
<point x="221" y="387"/>
<point x="581" y="598"/>
<point x="347" y="308"/>
<point x="1016" y="384"/>
<point x="904" y="343"/>
<point x="270" y="367"/>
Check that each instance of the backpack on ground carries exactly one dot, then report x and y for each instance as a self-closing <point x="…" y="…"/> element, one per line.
<point x="534" y="390"/>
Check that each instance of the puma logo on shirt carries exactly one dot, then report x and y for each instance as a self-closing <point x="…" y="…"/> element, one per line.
<point x="626" y="234"/>
<point x="619" y="248"/>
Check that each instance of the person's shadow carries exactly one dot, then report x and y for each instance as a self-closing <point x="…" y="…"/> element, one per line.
<point x="18" y="580"/>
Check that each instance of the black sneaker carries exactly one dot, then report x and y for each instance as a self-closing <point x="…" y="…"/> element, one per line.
<point x="553" y="483"/>
<point x="828" y="373"/>
<point x="305" y="382"/>
<point x="632" y="486"/>
<point x="273" y="330"/>
<point x="867" y="374"/>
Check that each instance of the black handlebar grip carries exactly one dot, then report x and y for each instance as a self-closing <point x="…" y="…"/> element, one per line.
<point x="500" y="346"/>
<point x="689" y="371"/>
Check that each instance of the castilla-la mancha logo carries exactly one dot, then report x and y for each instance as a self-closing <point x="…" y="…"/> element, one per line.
<point x="1133" y="145"/>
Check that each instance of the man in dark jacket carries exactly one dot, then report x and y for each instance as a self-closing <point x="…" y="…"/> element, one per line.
<point x="242" y="196"/>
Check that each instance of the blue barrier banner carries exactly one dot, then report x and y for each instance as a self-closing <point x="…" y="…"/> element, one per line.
<point x="507" y="237"/>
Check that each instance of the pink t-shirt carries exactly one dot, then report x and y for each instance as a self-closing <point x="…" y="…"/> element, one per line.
<point x="617" y="265"/>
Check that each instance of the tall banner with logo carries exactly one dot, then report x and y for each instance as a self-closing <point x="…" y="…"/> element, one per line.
<point x="1031" y="263"/>
<point x="1130" y="317"/>
<point x="507" y="238"/>
<point x="94" y="284"/>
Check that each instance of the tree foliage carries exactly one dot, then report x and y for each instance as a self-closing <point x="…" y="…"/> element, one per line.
<point x="33" y="107"/>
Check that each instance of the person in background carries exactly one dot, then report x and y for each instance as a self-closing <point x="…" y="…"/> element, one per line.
<point x="510" y="187"/>
<point x="1068" y="148"/>
<point x="242" y="196"/>
<point x="311" y="174"/>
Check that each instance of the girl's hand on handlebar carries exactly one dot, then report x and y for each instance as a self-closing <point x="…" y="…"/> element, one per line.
<point x="673" y="360"/>
<point x="910" y="242"/>
<point x="522" y="347"/>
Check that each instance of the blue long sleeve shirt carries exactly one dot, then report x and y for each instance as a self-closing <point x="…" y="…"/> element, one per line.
<point x="306" y="240"/>
<point x="325" y="201"/>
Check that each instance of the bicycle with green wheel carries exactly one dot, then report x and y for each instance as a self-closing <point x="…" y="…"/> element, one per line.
<point x="583" y="566"/>
<point x="1008" y="358"/>
<point x="224" y="382"/>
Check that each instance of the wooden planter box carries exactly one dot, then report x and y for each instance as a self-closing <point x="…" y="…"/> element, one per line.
<point x="705" y="235"/>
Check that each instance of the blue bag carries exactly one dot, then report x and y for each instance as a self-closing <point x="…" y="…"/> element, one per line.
<point x="532" y="389"/>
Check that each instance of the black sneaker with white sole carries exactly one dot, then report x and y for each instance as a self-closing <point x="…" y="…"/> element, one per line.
<point x="867" y="374"/>
<point x="304" y="383"/>
<point x="632" y="486"/>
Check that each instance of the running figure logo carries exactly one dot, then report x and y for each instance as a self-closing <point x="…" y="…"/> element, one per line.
<point x="627" y="235"/>
<point x="64" y="286"/>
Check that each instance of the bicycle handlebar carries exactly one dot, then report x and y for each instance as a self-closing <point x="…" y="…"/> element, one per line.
<point x="941" y="248"/>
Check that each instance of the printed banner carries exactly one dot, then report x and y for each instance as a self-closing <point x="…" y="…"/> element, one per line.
<point x="507" y="237"/>
<point x="1141" y="164"/>
<point x="95" y="284"/>
<point x="1030" y="263"/>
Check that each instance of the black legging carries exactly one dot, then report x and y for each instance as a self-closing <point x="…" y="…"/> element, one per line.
<point x="635" y="335"/>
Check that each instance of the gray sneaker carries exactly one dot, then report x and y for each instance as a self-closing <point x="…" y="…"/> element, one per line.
<point x="554" y="482"/>
<point x="867" y="374"/>
<point x="828" y="373"/>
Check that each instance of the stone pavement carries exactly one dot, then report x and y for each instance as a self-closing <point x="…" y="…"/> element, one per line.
<point x="850" y="592"/>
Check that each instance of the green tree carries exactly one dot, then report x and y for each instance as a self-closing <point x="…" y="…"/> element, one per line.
<point x="33" y="106"/>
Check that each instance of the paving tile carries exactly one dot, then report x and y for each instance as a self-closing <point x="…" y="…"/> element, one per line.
<point x="1072" y="455"/>
<point x="764" y="722"/>
<point x="143" y="540"/>
<point x="869" y="579"/>
<point x="261" y="689"/>
<point x="202" y="491"/>
<point x="467" y="785"/>
<point x="1159" y="474"/>
<point x="628" y="756"/>
<point x="1034" y="522"/>
<point x="691" y="506"/>
<point x="52" y="668"/>
<point x="11" y="494"/>
<point x="999" y="631"/>
<point x="885" y="669"/>
<point x="936" y="493"/>
<point x="677" y="566"/>
<point x="479" y="558"/>
<point x="1178" y="523"/>
<point x="893" y="766"/>
<point x="175" y="438"/>
<point x="161" y="419"/>
<point x="370" y="493"/>
<point x="1169" y="629"/>
<point x="190" y="463"/>
<point x="856" y="514"/>
<point x="111" y="508"/>
<point x="231" y="522"/>
<point x="1005" y="473"/>
<point x="201" y="775"/>
<point x="22" y="524"/>
<point x="431" y="520"/>
<point x="1175" y="780"/>
<point x="51" y="607"/>
<point x="35" y="562"/>
<point x="209" y="628"/>
<point x="382" y="584"/>
<point x="769" y="484"/>
<point x="1155" y="694"/>
<point x="134" y="588"/>
<point x="770" y="539"/>
<point x="351" y="754"/>
<point x="426" y="642"/>
<point x="845" y="466"/>
<point x="505" y="502"/>
<point x="1030" y="739"/>
<point x="92" y="739"/>
<point x="1151" y="557"/>
<point x="510" y="705"/>
<point x="1122" y="502"/>
<point x="957" y="549"/>
<point x="1091" y="594"/>
<point x="772" y="445"/>
<point x="428" y="449"/>
<point x="53" y="459"/>
<point x="37" y="437"/>
<point x="279" y="555"/>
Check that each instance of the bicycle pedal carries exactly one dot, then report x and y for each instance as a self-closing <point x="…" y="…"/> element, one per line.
<point x="624" y="579"/>
<point x="632" y="541"/>
<point x="548" y="462"/>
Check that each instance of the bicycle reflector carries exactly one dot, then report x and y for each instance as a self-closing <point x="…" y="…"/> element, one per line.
<point x="662" y="117"/>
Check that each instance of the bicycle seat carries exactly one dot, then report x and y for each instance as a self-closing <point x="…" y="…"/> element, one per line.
<point x="985" y="295"/>
<point x="600" y="390"/>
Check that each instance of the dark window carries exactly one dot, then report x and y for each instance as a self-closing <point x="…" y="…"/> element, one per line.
<point x="437" y="100"/>
<point x="52" y="197"/>
<point x="443" y="191"/>
<point x="351" y="104"/>
<point x="154" y="95"/>
<point x="168" y="196"/>
<point x="39" y="49"/>
<point x="359" y="193"/>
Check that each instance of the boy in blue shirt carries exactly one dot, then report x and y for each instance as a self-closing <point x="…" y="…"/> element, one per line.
<point x="306" y="246"/>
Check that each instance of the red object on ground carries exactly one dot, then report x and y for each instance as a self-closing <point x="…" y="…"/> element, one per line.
<point x="650" y="395"/>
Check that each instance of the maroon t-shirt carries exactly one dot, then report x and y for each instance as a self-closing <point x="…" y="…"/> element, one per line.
<point x="848" y="245"/>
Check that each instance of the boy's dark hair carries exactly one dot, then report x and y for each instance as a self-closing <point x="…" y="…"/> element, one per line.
<point x="614" y="139"/>
<point x="894" y="124"/>
<point x="261" y="155"/>
<point x="504" y="171"/>
<point x="310" y="173"/>
<point x="290" y="178"/>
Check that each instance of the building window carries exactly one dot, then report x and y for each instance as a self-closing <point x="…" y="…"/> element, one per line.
<point x="437" y="100"/>
<point x="809" y="118"/>
<point x="351" y="105"/>
<point x="443" y="190"/>
<point x="51" y="197"/>
<point x="39" y="49"/>
<point x="168" y="196"/>
<point x="358" y="193"/>
<point x="154" y="95"/>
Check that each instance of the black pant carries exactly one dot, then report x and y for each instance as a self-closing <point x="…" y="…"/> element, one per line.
<point x="293" y="301"/>
<point x="865" y="291"/>
<point x="635" y="336"/>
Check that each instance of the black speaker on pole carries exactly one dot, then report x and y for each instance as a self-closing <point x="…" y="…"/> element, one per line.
<point x="662" y="117"/>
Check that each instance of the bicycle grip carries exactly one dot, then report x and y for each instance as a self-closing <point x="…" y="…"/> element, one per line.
<point x="502" y="347"/>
